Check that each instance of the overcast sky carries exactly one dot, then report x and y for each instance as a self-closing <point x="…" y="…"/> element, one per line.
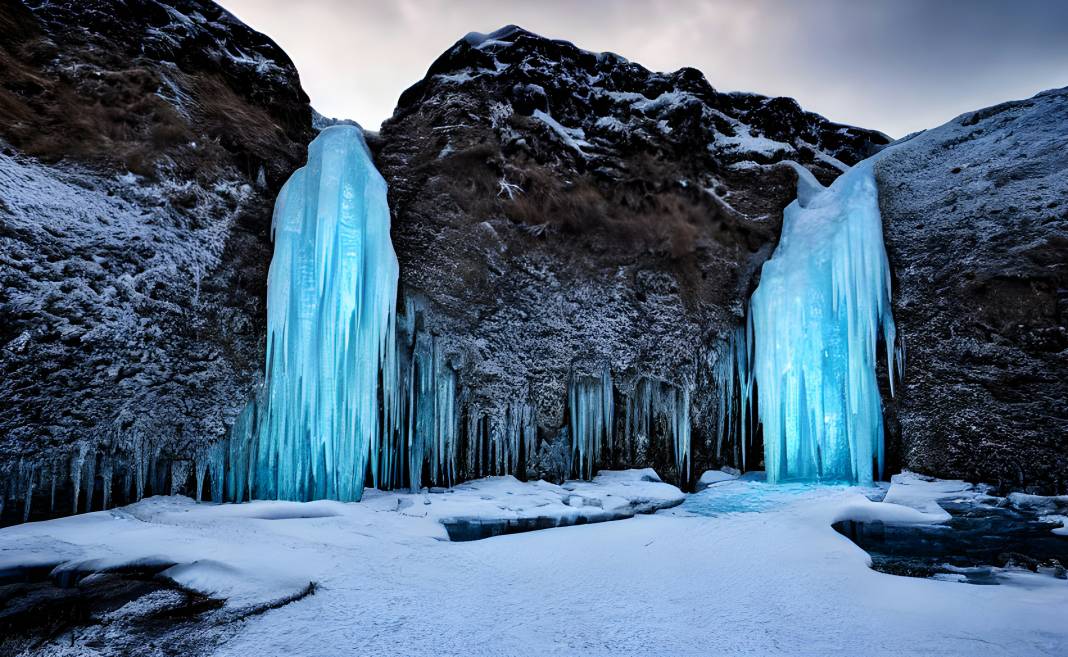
<point x="892" y="65"/>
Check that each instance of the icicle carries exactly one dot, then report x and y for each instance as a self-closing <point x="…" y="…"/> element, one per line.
<point x="140" y="469"/>
<point x="241" y="450"/>
<point x="90" y="478"/>
<point x="590" y="407"/>
<point x="217" y="467"/>
<point x="27" y="476"/>
<point x="77" y="462"/>
<point x="446" y="421"/>
<point x="200" y="467"/>
<point x="654" y="403"/>
<point x="106" y="467"/>
<point x="815" y="325"/>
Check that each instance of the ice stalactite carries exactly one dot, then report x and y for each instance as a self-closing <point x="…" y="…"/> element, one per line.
<point x="422" y="429"/>
<point x="76" y="465"/>
<point x="498" y="439"/>
<point x="241" y="452"/>
<point x="331" y="310"/>
<point x="663" y="408"/>
<point x="822" y="306"/>
<point x="216" y="457"/>
<point x="590" y="420"/>
<point x="734" y="385"/>
<point x="106" y="475"/>
<point x="654" y="411"/>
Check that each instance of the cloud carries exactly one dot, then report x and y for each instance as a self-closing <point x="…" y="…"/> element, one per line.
<point x="893" y="65"/>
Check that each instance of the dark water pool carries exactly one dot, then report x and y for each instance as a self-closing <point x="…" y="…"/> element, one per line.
<point x="970" y="547"/>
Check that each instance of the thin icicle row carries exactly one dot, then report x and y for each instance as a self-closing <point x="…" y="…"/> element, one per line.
<point x="590" y="420"/>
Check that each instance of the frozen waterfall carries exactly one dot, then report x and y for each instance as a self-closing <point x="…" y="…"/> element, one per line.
<point x="822" y="305"/>
<point x="331" y="322"/>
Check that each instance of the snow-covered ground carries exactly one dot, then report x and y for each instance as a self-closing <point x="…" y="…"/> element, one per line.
<point x="743" y="567"/>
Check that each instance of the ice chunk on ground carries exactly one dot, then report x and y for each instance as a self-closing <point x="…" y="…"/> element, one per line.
<point x="709" y="477"/>
<point x="924" y="493"/>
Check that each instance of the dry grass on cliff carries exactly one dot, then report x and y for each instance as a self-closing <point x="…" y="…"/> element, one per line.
<point x="640" y="213"/>
<point x="106" y="115"/>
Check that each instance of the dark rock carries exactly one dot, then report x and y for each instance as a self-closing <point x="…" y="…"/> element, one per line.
<point x="978" y="242"/>
<point x="144" y="142"/>
<point x="559" y="212"/>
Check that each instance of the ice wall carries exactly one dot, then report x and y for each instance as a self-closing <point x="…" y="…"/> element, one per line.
<point x="821" y="308"/>
<point x="331" y="315"/>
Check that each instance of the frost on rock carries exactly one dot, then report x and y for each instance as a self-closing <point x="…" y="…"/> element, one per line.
<point x="331" y="308"/>
<point x="822" y="306"/>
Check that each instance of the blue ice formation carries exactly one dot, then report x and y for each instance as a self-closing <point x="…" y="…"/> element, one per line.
<point x="422" y="432"/>
<point x="331" y="317"/>
<point x="822" y="306"/>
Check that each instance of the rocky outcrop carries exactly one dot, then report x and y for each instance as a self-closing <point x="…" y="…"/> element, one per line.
<point x="570" y="220"/>
<point x="143" y="142"/>
<point x="975" y="217"/>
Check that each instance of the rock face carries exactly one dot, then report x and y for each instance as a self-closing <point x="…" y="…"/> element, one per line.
<point x="568" y="220"/>
<point x="143" y="142"/>
<point x="975" y="217"/>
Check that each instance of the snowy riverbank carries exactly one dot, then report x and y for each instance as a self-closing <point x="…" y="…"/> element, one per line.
<point x="740" y="568"/>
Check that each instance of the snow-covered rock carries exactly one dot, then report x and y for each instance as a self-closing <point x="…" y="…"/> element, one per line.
<point x="561" y="214"/>
<point x="924" y="493"/>
<point x="710" y="477"/>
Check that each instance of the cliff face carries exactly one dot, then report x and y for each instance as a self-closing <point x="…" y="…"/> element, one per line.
<point x="143" y="142"/>
<point x="575" y="233"/>
<point x="975" y="217"/>
<point x="560" y="214"/>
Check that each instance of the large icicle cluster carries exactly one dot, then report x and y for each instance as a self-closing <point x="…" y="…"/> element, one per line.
<point x="734" y="387"/>
<point x="659" y="407"/>
<point x="422" y="429"/>
<point x="590" y="420"/>
<point x="822" y="306"/>
<point x="331" y="313"/>
<point x="652" y="410"/>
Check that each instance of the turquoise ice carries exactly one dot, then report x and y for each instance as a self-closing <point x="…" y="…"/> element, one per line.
<point x="821" y="308"/>
<point x="331" y="325"/>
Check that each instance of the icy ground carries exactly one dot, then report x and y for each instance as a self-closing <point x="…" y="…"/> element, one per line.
<point x="743" y="567"/>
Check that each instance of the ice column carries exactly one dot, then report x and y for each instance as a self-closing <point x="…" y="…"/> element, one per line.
<point x="821" y="308"/>
<point x="331" y="309"/>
